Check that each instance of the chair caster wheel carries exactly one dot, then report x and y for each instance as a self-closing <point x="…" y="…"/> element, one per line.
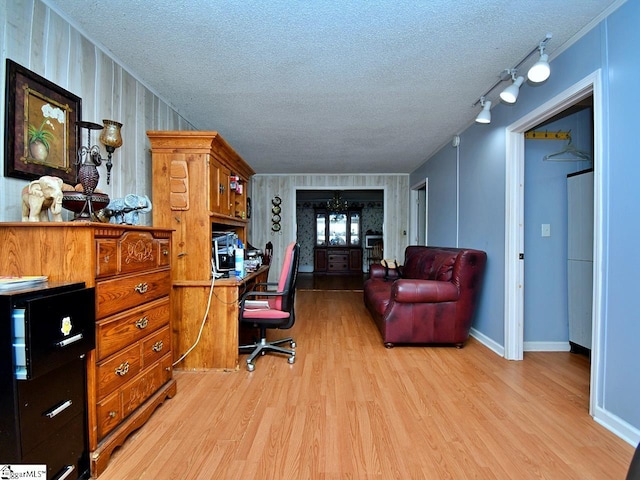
<point x="293" y="344"/>
<point x="291" y="359"/>
<point x="251" y="367"/>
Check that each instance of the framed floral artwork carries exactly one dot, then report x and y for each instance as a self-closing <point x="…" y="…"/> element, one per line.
<point x="41" y="134"/>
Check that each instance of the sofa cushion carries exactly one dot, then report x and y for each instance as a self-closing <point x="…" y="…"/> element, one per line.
<point x="412" y="290"/>
<point x="429" y="264"/>
<point x="442" y="266"/>
<point x="417" y="264"/>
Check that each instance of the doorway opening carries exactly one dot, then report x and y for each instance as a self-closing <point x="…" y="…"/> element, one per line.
<point x="558" y="231"/>
<point x="419" y="213"/>
<point x="514" y="220"/>
<point x="369" y="201"/>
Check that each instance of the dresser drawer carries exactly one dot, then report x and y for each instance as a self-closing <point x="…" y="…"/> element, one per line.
<point x="121" y="330"/>
<point x="141" y="388"/>
<point x="106" y="257"/>
<point x="109" y="414"/>
<point x="167" y="368"/>
<point x="134" y="251"/>
<point x="118" y="370"/>
<point x="122" y="293"/>
<point x="338" y="262"/>
<point x="164" y="253"/>
<point x="156" y="346"/>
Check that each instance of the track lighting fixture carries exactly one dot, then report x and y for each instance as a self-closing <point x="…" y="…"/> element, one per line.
<point x="485" y="114"/>
<point x="510" y="94"/>
<point x="540" y="70"/>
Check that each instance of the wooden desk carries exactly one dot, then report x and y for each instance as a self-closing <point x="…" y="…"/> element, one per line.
<point x="218" y="345"/>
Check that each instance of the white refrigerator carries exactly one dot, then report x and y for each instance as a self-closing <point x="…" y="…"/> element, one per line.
<point x="580" y="257"/>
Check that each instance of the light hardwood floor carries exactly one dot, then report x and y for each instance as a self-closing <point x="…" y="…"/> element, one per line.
<point x="351" y="409"/>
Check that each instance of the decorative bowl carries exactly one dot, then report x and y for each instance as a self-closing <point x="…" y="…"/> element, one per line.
<point x="77" y="203"/>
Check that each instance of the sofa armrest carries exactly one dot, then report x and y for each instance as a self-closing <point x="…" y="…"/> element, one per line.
<point x="378" y="271"/>
<point x="423" y="291"/>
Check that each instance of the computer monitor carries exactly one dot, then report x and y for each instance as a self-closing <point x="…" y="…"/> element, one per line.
<point x="223" y="251"/>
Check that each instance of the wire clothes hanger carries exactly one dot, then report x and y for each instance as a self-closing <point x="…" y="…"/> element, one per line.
<point x="568" y="154"/>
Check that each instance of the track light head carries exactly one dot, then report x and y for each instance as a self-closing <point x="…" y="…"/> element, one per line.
<point x="510" y="94"/>
<point x="540" y="70"/>
<point x="485" y="114"/>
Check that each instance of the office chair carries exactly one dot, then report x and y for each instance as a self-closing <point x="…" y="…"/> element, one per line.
<point x="264" y="309"/>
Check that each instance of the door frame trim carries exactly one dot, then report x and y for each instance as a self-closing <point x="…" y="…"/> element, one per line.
<point x="514" y="222"/>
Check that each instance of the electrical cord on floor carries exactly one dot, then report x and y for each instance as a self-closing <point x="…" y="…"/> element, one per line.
<point x="204" y="320"/>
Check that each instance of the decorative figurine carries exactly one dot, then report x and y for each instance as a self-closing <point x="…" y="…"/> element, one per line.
<point x="40" y="197"/>
<point x="127" y="210"/>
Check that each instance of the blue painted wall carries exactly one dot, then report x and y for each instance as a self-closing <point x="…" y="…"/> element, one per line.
<point x="612" y="47"/>
<point x="622" y="154"/>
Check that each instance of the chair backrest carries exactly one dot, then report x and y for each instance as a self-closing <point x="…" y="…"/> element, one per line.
<point x="268" y="253"/>
<point x="288" y="277"/>
<point x="377" y="251"/>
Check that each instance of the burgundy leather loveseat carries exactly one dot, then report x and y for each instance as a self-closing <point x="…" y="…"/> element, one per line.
<point x="430" y="299"/>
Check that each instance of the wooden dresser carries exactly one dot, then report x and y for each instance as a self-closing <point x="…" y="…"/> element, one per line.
<point x="130" y="372"/>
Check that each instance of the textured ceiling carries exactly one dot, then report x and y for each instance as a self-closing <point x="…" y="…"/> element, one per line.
<point x="332" y="86"/>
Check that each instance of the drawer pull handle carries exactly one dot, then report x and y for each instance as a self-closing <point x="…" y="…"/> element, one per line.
<point x="68" y="470"/>
<point x="67" y="341"/>
<point x="142" y="323"/>
<point x="141" y="287"/>
<point x="59" y="409"/>
<point x="123" y="369"/>
<point x="113" y="414"/>
<point x="165" y="252"/>
<point x="157" y="346"/>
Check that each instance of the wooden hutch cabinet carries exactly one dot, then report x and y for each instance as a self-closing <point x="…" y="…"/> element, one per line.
<point x="199" y="187"/>
<point x="338" y="241"/>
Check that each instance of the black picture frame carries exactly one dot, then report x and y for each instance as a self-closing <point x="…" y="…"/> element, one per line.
<point x="41" y="134"/>
<point x="248" y="207"/>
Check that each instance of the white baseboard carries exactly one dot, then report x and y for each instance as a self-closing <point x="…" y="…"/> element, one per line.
<point x="487" y="342"/>
<point x="546" y="347"/>
<point x="528" y="346"/>
<point x="617" y="426"/>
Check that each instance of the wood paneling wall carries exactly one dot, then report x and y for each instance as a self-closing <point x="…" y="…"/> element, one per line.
<point x="36" y="37"/>
<point x="265" y="187"/>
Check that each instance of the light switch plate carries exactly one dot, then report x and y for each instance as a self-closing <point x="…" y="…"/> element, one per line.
<point x="546" y="229"/>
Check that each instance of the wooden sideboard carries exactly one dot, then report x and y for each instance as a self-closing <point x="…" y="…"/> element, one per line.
<point x="129" y="374"/>
<point x="199" y="187"/>
<point x="338" y="241"/>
